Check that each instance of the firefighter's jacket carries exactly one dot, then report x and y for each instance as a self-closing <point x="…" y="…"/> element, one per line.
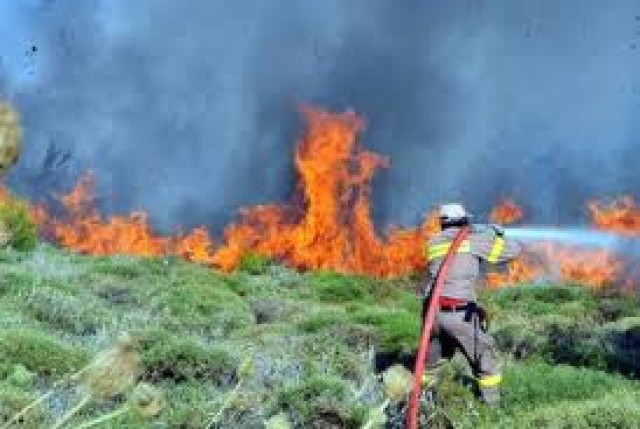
<point x="465" y="268"/>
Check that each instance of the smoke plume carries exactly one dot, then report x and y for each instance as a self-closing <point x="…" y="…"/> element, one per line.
<point x="188" y="109"/>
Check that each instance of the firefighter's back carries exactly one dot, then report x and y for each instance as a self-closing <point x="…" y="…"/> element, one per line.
<point x="482" y="244"/>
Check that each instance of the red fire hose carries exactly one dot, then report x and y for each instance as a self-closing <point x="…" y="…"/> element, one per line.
<point x="429" y="318"/>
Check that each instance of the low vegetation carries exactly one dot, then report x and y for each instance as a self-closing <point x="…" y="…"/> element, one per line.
<point x="316" y="344"/>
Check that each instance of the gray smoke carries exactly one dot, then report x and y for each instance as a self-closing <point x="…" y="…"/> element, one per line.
<point x="188" y="109"/>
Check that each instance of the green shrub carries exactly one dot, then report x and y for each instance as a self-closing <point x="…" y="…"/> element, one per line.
<point x="254" y="263"/>
<point x="320" y="320"/>
<point x="181" y="359"/>
<point x="333" y="287"/>
<point x="14" y="283"/>
<point x="536" y="384"/>
<point x="611" y="308"/>
<point x="575" y="344"/>
<point x="13" y="400"/>
<point x="40" y="353"/>
<point x="16" y="219"/>
<point x="519" y="337"/>
<point x="203" y="307"/>
<point x="131" y="267"/>
<point x="543" y="300"/>
<point x="66" y="312"/>
<point x="189" y="405"/>
<point x="321" y="354"/>
<point x="616" y="410"/>
<point x="321" y="402"/>
<point x="271" y="310"/>
<point x="396" y="330"/>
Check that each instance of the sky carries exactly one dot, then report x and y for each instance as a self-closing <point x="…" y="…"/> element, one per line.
<point x="189" y="109"/>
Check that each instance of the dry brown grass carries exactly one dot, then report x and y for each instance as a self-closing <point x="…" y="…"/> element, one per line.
<point x="10" y="137"/>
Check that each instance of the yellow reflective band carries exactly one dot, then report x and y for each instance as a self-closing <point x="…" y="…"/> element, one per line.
<point x="490" y="381"/>
<point x="496" y="250"/>
<point x="440" y="250"/>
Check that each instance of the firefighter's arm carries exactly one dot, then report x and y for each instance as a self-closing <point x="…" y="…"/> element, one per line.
<point x="493" y="247"/>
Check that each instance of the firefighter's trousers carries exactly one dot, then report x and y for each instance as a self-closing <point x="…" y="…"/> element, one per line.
<point x="462" y="330"/>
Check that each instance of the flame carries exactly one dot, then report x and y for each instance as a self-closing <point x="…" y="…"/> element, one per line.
<point x="331" y="226"/>
<point x="84" y="230"/>
<point x="327" y="224"/>
<point x="506" y="213"/>
<point x="621" y="216"/>
<point x="596" y="268"/>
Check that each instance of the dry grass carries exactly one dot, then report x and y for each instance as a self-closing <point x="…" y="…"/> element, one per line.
<point x="10" y="137"/>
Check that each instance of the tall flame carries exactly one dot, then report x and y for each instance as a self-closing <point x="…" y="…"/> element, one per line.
<point x="331" y="225"/>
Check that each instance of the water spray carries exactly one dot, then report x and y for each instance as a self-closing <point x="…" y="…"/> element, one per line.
<point x="576" y="236"/>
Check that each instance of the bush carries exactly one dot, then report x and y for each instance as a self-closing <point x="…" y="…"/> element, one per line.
<point x="129" y="267"/>
<point x="270" y="310"/>
<point x="254" y="263"/>
<point x="63" y="311"/>
<point x="13" y="399"/>
<point x="321" y="402"/>
<point x="17" y="228"/>
<point x="167" y="357"/>
<point x="396" y="330"/>
<point x="190" y="405"/>
<point x="520" y="338"/>
<point x="333" y="287"/>
<point x="321" y="320"/>
<point x="576" y="344"/>
<point x="616" y="410"/>
<point x="204" y="307"/>
<point x="40" y="353"/>
<point x="321" y="354"/>
<point x="537" y="384"/>
<point x="611" y="308"/>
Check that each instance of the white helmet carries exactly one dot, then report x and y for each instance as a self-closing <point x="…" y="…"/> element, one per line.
<point x="453" y="212"/>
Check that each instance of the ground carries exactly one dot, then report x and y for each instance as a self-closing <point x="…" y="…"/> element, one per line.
<point x="308" y="345"/>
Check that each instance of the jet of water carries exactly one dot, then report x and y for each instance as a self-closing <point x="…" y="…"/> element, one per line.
<point x="576" y="236"/>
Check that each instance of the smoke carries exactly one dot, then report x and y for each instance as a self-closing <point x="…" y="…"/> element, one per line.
<point x="188" y="109"/>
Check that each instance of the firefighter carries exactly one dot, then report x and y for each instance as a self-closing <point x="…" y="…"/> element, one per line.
<point x="461" y="322"/>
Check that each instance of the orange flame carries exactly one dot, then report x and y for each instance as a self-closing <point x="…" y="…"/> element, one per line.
<point x="622" y="216"/>
<point x="506" y="213"/>
<point x="596" y="268"/>
<point x="332" y="227"/>
<point x="327" y="225"/>
<point x="84" y="230"/>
